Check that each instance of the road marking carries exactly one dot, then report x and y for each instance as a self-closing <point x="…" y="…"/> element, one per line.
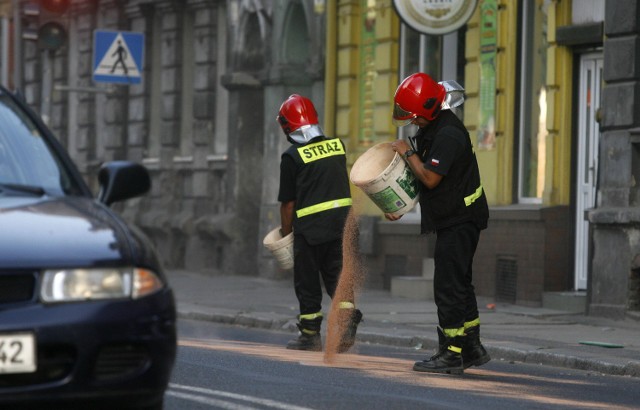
<point x="219" y="404"/>
<point x="257" y="400"/>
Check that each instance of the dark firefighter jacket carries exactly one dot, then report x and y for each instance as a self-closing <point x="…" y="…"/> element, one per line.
<point x="315" y="176"/>
<point x="444" y="147"/>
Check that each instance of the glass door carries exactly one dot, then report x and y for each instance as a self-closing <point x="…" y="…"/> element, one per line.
<point x="587" y="159"/>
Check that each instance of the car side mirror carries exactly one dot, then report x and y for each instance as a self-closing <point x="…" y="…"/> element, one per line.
<point x="121" y="180"/>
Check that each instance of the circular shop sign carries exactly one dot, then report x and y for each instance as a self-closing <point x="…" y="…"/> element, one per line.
<point x="435" y="16"/>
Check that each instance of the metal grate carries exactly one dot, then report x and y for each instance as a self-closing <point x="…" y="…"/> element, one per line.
<point x="120" y="361"/>
<point x="16" y="287"/>
<point x="506" y="279"/>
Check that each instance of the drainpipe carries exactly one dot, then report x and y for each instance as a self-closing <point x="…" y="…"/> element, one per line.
<point x="331" y="64"/>
<point x="4" y="47"/>
<point x="17" y="45"/>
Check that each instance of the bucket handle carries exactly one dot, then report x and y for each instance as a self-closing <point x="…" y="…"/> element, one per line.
<point x="387" y="174"/>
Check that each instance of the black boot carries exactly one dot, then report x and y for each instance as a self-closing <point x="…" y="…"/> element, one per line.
<point x="309" y="338"/>
<point x="354" y="317"/>
<point x="473" y="353"/>
<point x="448" y="359"/>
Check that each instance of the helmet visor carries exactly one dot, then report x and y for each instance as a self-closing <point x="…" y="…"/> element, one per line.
<point x="402" y="117"/>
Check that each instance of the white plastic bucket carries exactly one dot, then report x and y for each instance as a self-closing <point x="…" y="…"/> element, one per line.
<point x="386" y="179"/>
<point x="281" y="248"/>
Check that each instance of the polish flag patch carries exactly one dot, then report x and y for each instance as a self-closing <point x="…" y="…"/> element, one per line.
<point x="435" y="162"/>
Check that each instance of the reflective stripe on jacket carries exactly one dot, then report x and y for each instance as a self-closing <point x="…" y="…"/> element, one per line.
<point x="322" y="192"/>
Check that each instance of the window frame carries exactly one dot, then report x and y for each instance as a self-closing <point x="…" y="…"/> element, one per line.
<point x="525" y="102"/>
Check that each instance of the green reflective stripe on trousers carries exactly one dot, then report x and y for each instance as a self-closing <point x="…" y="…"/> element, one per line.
<point x="310" y="316"/>
<point x="468" y="200"/>
<point x="324" y="206"/>
<point x="453" y="332"/>
<point x="473" y="323"/>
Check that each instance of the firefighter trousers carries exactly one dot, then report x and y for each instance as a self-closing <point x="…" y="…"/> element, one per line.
<point x="313" y="263"/>
<point x="453" y="290"/>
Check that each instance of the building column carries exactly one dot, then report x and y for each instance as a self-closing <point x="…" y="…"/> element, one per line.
<point x="614" y="288"/>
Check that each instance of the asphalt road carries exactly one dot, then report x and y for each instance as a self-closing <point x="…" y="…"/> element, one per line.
<point x="231" y="367"/>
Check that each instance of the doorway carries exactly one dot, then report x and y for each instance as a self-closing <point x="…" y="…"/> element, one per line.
<point x="590" y="81"/>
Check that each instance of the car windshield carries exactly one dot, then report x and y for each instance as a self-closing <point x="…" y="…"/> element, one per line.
<point x="28" y="164"/>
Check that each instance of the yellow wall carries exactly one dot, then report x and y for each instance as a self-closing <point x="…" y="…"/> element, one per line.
<point x="342" y="107"/>
<point x="497" y="165"/>
<point x="343" y="82"/>
<point x="560" y="104"/>
<point x="5" y="8"/>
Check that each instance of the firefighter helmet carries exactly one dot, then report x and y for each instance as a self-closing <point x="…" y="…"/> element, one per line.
<point x="417" y="96"/>
<point x="299" y="119"/>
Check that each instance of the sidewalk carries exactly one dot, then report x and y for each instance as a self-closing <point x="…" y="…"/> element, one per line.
<point x="509" y="332"/>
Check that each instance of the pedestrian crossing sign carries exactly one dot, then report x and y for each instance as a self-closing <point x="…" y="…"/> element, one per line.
<point x="118" y="56"/>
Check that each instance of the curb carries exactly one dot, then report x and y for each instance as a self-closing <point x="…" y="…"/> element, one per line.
<point x="631" y="369"/>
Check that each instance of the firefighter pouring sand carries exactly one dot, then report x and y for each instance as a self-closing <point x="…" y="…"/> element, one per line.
<point x="453" y="205"/>
<point x="316" y="204"/>
<point x="315" y="200"/>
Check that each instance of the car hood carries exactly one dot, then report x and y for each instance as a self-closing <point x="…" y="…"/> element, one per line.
<point x="60" y="232"/>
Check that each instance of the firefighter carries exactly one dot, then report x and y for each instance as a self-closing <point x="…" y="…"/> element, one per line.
<point x="453" y="205"/>
<point x="315" y="200"/>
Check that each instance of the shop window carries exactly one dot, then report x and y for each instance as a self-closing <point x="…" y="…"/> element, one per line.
<point x="440" y="56"/>
<point x="532" y="124"/>
<point x="418" y="53"/>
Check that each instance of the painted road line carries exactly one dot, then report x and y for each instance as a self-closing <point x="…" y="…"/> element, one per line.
<point x="242" y="397"/>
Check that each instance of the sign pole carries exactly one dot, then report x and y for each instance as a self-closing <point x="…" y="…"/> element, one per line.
<point x="47" y="85"/>
<point x="17" y="44"/>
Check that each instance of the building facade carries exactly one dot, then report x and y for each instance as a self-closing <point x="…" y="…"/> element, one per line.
<point x="544" y="91"/>
<point x="195" y="120"/>
<point x="552" y="89"/>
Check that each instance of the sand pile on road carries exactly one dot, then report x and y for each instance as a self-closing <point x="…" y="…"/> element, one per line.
<point x="349" y="284"/>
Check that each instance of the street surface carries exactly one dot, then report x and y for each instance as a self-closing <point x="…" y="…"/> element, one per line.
<point x="231" y="367"/>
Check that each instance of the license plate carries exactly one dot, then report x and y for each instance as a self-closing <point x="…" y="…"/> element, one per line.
<point x="17" y="353"/>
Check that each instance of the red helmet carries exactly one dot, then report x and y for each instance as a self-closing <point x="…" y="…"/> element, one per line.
<point x="296" y="112"/>
<point x="417" y="96"/>
<point x="299" y="119"/>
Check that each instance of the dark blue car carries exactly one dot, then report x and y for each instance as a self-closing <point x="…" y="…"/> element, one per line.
<point x="87" y="317"/>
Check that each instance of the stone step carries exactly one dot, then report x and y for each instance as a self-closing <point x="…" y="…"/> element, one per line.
<point x="412" y="287"/>
<point x="570" y="301"/>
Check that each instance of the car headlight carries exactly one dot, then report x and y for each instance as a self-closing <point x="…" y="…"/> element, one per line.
<point x="69" y="285"/>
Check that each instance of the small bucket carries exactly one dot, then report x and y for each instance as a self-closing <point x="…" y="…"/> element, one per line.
<point x="281" y="248"/>
<point x="386" y="179"/>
